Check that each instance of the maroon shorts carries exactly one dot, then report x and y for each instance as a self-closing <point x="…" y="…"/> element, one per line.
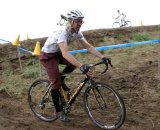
<point x="51" y="61"/>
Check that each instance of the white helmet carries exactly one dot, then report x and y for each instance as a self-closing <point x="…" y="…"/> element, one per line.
<point x="75" y="14"/>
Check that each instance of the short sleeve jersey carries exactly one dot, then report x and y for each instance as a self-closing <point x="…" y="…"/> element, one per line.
<point x="61" y="35"/>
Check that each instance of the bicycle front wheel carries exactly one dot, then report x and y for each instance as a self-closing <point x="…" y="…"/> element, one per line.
<point x="128" y="23"/>
<point x="104" y="106"/>
<point x="116" y="25"/>
<point x="40" y="100"/>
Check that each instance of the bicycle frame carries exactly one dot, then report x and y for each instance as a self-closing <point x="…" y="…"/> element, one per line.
<point x="76" y="93"/>
<point x="70" y="101"/>
<point x="121" y="23"/>
<point x="81" y="85"/>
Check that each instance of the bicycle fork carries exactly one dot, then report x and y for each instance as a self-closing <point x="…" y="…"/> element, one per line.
<point x="98" y="97"/>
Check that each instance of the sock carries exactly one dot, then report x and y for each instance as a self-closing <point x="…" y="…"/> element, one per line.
<point x="55" y="97"/>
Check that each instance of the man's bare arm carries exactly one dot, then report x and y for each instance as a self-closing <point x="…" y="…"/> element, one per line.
<point x="91" y="49"/>
<point x="64" y="49"/>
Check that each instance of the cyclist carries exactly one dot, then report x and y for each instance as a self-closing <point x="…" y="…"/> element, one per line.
<point x="121" y="16"/>
<point x="55" y="52"/>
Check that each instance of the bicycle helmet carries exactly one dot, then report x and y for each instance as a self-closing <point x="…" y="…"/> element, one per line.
<point x="74" y="14"/>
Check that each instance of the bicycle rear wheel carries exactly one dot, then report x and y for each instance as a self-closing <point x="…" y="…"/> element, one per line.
<point x="116" y="25"/>
<point x="104" y="106"/>
<point x="40" y="100"/>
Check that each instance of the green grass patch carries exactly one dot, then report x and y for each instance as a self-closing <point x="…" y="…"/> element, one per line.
<point x="140" y="37"/>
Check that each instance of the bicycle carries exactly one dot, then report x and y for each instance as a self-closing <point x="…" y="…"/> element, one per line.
<point x="103" y="104"/>
<point x="121" y="23"/>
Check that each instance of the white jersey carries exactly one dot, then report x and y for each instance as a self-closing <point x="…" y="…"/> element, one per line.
<point x="62" y="35"/>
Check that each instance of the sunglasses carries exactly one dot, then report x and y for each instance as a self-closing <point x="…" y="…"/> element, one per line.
<point x="79" y="21"/>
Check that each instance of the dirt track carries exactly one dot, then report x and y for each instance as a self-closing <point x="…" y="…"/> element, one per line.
<point x="138" y="84"/>
<point x="136" y="79"/>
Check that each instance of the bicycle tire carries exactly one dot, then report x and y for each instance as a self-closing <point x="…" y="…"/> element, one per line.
<point x="116" y="25"/>
<point x="42" y="108"/>
<point x="104" y="106"/>
<point x="128" y="23"/>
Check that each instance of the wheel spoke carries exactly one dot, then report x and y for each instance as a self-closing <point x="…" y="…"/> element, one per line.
<point x="104" y="106"/>
<point x="40" y="100"/>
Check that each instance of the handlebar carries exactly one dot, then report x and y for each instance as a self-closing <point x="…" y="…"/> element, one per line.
<point x="63" y="17"/>
<point x="99" y="63"/>
<point x="62" y="20"/>
<point x="91" y="66"/>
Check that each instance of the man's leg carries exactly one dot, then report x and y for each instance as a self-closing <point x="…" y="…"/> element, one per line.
<point x="51" y="66"/>
<point x="55" y="97"/>
<point x="67" y="69"/>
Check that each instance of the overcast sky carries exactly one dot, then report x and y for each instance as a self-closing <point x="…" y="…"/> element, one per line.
<point x="38" y="18"/>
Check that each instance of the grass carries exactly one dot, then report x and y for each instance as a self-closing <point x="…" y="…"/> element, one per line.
<point x="18" y="82"/>
<point x="14" y="83"/>
<point x="141" y="37"/>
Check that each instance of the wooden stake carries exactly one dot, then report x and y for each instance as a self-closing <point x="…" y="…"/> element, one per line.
<point x="19" y="58"/>
<point x="40" y="68"/>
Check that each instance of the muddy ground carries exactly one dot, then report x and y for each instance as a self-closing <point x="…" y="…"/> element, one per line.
<point x="136" y="77"/>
